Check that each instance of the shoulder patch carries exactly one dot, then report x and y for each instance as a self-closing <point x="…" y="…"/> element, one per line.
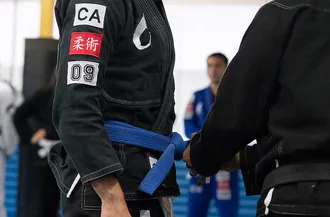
<point x="82" y="72"/>
<point x="190" y="108"/>
<point x="85" y="43"/>
<point x="140" y="29"/>
<point x="199" y="109"/>
<point x="189" y="112"/>
<point x="89" y="14"/>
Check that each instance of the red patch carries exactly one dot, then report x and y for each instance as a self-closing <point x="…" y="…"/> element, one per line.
<point x="223" y="185"/>
<point x="85" y="43"/>
<point x="190" y="107"/>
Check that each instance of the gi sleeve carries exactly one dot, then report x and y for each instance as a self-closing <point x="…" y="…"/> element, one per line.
<point x="240" y="112"/>
<point x="190" y="119"/>
<point x="88" y="34"/>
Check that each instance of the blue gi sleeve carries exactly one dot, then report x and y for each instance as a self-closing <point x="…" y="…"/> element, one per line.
<point x="89" y="30"/>
<point x="240" y="112"/>
<point x="190" y="119"/>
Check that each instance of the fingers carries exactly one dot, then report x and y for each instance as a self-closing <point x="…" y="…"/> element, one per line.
<point x="192" y="135"/>
<point x="188" y="164"/>
<point x="186" y="157"/>
<point x="41" y="133"/>
<point x="193" y="172"/>
<point x="201" y="180"/>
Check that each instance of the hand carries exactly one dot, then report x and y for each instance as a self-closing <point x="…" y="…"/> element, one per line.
<point x="186" y="155"/>
<point x="112" y="197"/>
<point x="186" y="158"/>
<point x="40" y="134"/>
<point x="230" y="166"/>
<point x="192" y="172"/>
<point x="201" y="180"/>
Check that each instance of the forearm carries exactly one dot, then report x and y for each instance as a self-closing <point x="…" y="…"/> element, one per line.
<point x="106" y="187"/>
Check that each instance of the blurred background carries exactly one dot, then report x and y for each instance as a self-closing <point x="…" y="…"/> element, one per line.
<point x="200" y="27"/>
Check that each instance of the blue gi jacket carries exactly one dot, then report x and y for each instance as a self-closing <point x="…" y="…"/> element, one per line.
<point x="197" y="110"/>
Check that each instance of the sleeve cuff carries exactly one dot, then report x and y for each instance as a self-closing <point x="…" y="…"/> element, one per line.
<point x="199" y="160"/>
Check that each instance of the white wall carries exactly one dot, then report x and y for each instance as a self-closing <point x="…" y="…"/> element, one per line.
<point x="200" y="27"/>
<point x="199" y="30"/>
<point x="17" y="22"/>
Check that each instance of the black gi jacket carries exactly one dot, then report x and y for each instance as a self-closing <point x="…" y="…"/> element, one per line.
<point x="115" y="62"/>
<point x="275" y="90"/>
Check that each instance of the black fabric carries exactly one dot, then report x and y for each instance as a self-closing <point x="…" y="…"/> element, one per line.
<point x="301" y="198"/>
<point x="38" y="106"/>
<point x="65" y="172"/>
<point x="39" y="64"/>
<point x="134" y="86"/>
<point x="44" y="196"/>
<point x="249" y="157"/>
<point x="38" y="194"/>
<point x="294" y="173"/>
<point x="276" y="90"/>
<point x="278" y="97"/>
<point x="84" y="202"/>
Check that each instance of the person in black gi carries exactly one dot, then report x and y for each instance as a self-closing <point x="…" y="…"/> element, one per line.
<point x="115" y="63"/>
<point x="275" y="90"/>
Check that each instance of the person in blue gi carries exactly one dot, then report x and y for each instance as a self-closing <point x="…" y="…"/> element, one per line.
<point x="223" y="186"/>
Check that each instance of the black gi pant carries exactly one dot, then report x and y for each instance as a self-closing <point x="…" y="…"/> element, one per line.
<point x="84" y="202"/>
<point x="38" y="194"/>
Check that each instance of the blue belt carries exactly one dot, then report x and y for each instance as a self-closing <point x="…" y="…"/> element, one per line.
<point x="172" y="148"/>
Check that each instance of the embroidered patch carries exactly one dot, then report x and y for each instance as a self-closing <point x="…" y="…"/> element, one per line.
<point x="199" y="109"/>
<point x="140" y="29"/>
<point x="89" y="14"/>
<point x="85" y="43"/>
<point x="223" y="185"/>
<point x="82" y="72"/>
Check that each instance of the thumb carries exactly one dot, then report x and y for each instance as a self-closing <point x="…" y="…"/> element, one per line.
<point x="192" y="135"/>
